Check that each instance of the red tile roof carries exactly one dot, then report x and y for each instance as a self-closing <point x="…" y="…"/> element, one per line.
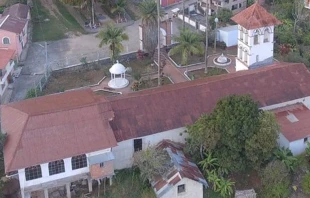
<point x="12" y="24"/>
<point x="54" y="127"/>
<point x="5" y="56"/>
<point x="255" y="17"/>
<point x="182" y="167"/>
<point x="17" y="10"/>
<point x="294" y="130"/>
<point x="174" y="106"/>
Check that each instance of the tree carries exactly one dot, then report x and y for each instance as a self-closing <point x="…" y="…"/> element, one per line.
<point x="209" y="162"/>
<point x="120" y="8"/>
<point x="259" y="147"/>
<point x="188" y="43"/>
<point x="151" y="162"/>
<point x="113" y="36"/>
<point x="225" y="187"/>
<point x="235" y="133"/>
<point x="275" y="180"/>
<point x="148" y="10"/>
<point x="297" y="12"/>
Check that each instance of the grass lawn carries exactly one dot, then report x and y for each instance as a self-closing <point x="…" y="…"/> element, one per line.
<point x="146" y="84"/>
<point x="47" y="27"/>
<point x="70" y="80"/>
<point x="212" y="71"/>
<point x="191" y="59"/>
<point x="127" y="184"/>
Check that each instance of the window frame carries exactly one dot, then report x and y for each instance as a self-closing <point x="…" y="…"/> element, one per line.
<point x="56" y="167"/>
<point x="137" y="144"/>
<point x="33" y="172"/>
<point x="7" y="39"/>
<point x="181" y="188"/>
<point x="101" y="164"/>
<point x="79" y="161"/>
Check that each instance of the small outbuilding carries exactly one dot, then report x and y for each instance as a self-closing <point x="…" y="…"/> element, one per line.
<point x="118" y="76"/>
<point x="228" y="35"/>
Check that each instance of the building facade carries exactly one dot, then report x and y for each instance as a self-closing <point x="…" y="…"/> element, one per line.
<point x="7" y="64"/>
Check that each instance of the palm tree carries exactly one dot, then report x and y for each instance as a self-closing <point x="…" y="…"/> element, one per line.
<point x="148" y="10"/>
<point x="207" y="36"/>
<point x="120" y="8"/>
<point x="189" y="43"/>
<point x="113" y="36"/>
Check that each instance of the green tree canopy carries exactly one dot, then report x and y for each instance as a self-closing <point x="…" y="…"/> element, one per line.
<point x="237" y="132"/>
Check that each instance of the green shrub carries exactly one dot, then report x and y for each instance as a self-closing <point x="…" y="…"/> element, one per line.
<point x="305" y="184"/>
<point x="32" y="93"/>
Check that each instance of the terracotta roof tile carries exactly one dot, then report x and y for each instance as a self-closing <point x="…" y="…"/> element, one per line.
<point x="294" y="130"/>
<point x="17" y="10"/>
<point x="50" y="128"/>
<point x="173" y="106"/>
<point x="13" y="24"/>
<point x="255" y="17"/>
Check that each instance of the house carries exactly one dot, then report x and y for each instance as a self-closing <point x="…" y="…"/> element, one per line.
<point x="166" y="3"/>
<point x="14" y="28"/>
<point x="7" y="64"/>
<point x="294" y="122"/>
<point x="57" y="139"/>
<point x="307" y="4"/>
<point x="183" y="179"/>
<point x="255" y="35"/>
<point x="235" y="6"/>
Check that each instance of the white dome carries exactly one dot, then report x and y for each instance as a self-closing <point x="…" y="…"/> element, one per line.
<point x="117" y="68"/>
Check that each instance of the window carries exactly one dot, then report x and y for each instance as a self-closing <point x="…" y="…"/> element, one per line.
<point x="181" y="188"/>
<point x="266" y="36"/>
<point x="56" y="167"/>
<point x="101" y="164"/>
<point x="6" y="41"/>
<point x="305" y="139"/>
<point x="137" y="144"/>
<point x="257" y="58"/>
<point x="33" y="172"/>
<point x="234" y="7"/>
<point x="240" y="5"/>
<point x="79" y="161"/>
<point x="255" y="39"/>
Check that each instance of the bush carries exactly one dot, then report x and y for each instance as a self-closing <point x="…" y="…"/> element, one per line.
<point x="305" y="184"/>
<point x="32" y="93"/>
<point x="275" y="179"/>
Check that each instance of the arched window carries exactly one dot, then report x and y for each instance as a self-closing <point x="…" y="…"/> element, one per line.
<point x="79" y="161"/>
<point x="56" y="167"/>
<point x="6" y="41"/>
<point x="256" y="37"/>
<point x="266" y="35"/>
<point x="33" y="172"/>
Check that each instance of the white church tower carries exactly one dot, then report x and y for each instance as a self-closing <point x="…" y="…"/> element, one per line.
<point x="255" y="37"/>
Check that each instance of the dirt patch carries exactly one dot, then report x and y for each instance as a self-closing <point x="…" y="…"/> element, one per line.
<point x="65" y="81"/>
<point x="247" y="180"/>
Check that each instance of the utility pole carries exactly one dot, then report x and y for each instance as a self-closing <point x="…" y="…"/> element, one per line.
<point x="207" y="39"/>
<point x="158" y="49"/>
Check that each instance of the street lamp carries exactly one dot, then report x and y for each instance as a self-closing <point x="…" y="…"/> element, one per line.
<point x="216" y="20"/>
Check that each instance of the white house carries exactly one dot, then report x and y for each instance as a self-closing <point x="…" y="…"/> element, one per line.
<point x="7" y="64"/>
<point x="255" y="35"/>
<point x="182" y="179"/>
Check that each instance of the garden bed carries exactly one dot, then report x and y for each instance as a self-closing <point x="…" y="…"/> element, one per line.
<point x="193" y="59"/>
<point x="150" y="83"/>
<point x="200" y="73"/>
<point x="106" y="93"/>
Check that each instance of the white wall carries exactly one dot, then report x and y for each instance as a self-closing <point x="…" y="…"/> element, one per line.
<point x="298" y="147"/>
<point x="50" y="178"/>
<point x="230" y="37"/>
<point x="305" y="101"/>
<point x="282" y="141"/>
<point x="124" y="151"/>
<point x="193" y="189"/>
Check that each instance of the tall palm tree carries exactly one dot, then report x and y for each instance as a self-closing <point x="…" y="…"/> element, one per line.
<point x="120" y="8"/>
<point x="113" y="36"/>
<point x="207" y="36"/>
<point x="189" y="43"/>
<point x="148" y="10"/>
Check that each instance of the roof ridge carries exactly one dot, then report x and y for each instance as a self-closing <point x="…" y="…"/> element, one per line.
<point x="201" y="82"/>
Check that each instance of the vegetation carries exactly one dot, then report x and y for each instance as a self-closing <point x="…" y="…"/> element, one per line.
<point x="189" y="43"/>
<point x="127" y="183"/>
<point x="2" y="142"/>
<point x="32" y="93"/>
<point x="151" y="162"/>
<point x="276" y="180"/>
<point x="237" y="132"/>
<point x="148" y="10"/>
<point x="286" y="157"/>
<point x="306" y="183"/>
<point x="113" y="36"/>
<point x="120" y="6"/>
<point x="223" y="16"/>
<point x="212" y="71"/>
